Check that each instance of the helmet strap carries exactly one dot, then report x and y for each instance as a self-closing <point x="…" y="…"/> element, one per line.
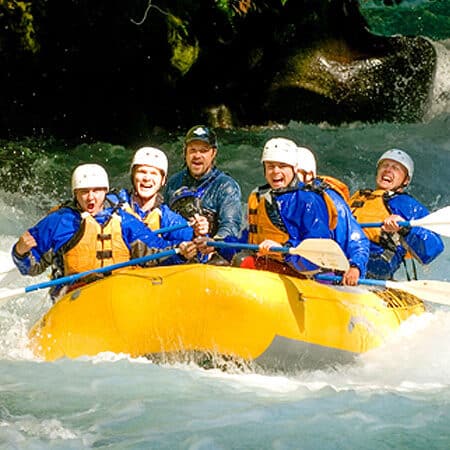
<point x="405" y="183"/>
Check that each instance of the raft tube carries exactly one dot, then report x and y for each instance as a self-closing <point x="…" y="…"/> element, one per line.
<point x="273" y="320"/>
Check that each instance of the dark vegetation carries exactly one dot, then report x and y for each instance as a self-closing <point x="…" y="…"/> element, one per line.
<point x="112" y="69"/>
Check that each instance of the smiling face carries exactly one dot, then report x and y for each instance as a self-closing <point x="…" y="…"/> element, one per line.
<point x="391" y="175"/>
<point x="278" y="175"/>
<point x="147" y="181"/>
<point x="91" y="199"/>
<point x="199" y="158"/>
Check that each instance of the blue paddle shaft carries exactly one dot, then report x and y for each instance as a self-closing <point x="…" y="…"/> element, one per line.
<point x="403" y="223"/>
<point x="180" y="226"/>
<point x="77" y="276"/>
<point x="368" y="282"/>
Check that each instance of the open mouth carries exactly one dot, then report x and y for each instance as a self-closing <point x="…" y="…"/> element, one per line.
<point x="146" y="187"/>
<point x="278" y="180"/>
<point x="90" y="206"/>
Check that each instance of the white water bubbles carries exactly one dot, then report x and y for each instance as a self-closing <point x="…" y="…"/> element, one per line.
<point x="17" y="314"/>
<point x="440" y="96"/>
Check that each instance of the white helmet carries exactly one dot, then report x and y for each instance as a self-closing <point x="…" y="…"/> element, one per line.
<point x="280" y="150"/>
<point x="89" y="176"/>
<point x="401" y="157"/>
<point x="150" y="156"/>
<point x="307" y="161"/>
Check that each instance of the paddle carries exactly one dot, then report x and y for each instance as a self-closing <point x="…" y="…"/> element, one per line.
<point x="9" y="293"/>
<point x="180" y="226"/>
<point x="5" y="274"/>
<point x="322" y="252"/>
<point x="430" y="290"/>
<point x="438" y="222"/>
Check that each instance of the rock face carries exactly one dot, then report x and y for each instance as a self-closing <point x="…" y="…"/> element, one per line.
<point x="334" y="69"/>
<point x="117" y="69"/>
<point x="331" y="83"/>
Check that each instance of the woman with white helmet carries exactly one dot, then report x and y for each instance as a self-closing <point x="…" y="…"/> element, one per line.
<point x="388" y="203"/>
<point x="348" y="234"/>
<point x="281" y="213"/>
<point x="148" y="175"/>
<point x="86" y="233"/>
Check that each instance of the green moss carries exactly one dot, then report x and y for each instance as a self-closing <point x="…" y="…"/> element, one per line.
<point x="224" y="5"/>
<point x="20" y="23"/>
<point x="27" y="28"/>
<point x="185" y="50"/>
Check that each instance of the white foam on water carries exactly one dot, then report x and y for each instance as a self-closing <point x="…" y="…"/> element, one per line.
<point x="6" y="262"/>
<point x="440" y="101"/>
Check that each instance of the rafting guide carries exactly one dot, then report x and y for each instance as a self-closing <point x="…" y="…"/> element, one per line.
<point x="202" y="190"/>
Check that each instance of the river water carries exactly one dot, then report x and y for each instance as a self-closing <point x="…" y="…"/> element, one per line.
<point x="397" y="396"/>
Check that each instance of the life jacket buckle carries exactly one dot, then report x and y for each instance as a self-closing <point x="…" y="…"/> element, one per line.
<point x="104" y="254"/>
<point x="104" y="237"/>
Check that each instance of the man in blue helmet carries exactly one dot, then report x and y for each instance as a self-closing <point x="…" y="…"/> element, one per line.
<point x="201" y="189"/>
<point x="391" y="244"/>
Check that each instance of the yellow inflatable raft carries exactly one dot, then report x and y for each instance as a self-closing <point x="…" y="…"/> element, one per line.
<point x="273" y="320"/>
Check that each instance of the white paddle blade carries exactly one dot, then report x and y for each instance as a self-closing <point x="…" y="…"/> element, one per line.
<point x="439" y="228"/>
<point x="439" y="222"/>
<point x="442" y="229"/>
<point x="322" y="252"/>
<point x="432" y="291"/>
